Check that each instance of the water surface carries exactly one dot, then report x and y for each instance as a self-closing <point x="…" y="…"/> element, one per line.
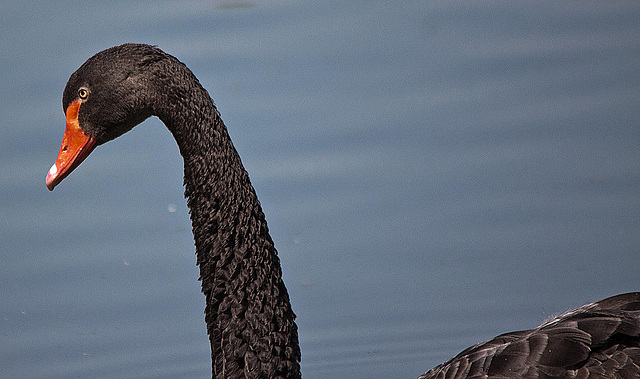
<point x="433" y="174"/>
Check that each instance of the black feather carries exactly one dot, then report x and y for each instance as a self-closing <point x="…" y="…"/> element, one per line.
<point x="248" y="314"/>
<point x="598" y="340"/>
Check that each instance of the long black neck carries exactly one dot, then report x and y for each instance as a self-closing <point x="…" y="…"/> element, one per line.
<point x="248" y="314"/>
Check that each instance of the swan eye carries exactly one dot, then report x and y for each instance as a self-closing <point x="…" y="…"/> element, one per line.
<point x="83" y="93"/>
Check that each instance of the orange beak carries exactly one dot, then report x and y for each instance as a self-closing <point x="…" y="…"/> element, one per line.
<point x="76" y="146"/>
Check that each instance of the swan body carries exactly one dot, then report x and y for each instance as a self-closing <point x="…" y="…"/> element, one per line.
<point x="250" y="323"/>
<point x="597" y="340"/>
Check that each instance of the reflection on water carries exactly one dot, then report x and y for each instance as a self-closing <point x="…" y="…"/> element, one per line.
<point x="433" y="175"/>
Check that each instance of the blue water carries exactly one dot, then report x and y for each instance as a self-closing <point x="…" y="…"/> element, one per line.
<point x="433" y="174"/>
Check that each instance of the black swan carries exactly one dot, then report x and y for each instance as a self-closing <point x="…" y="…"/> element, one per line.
<point x="248" y="314"/>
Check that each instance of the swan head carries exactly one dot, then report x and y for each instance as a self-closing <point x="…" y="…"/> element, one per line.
<point x="107" y="96"/>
